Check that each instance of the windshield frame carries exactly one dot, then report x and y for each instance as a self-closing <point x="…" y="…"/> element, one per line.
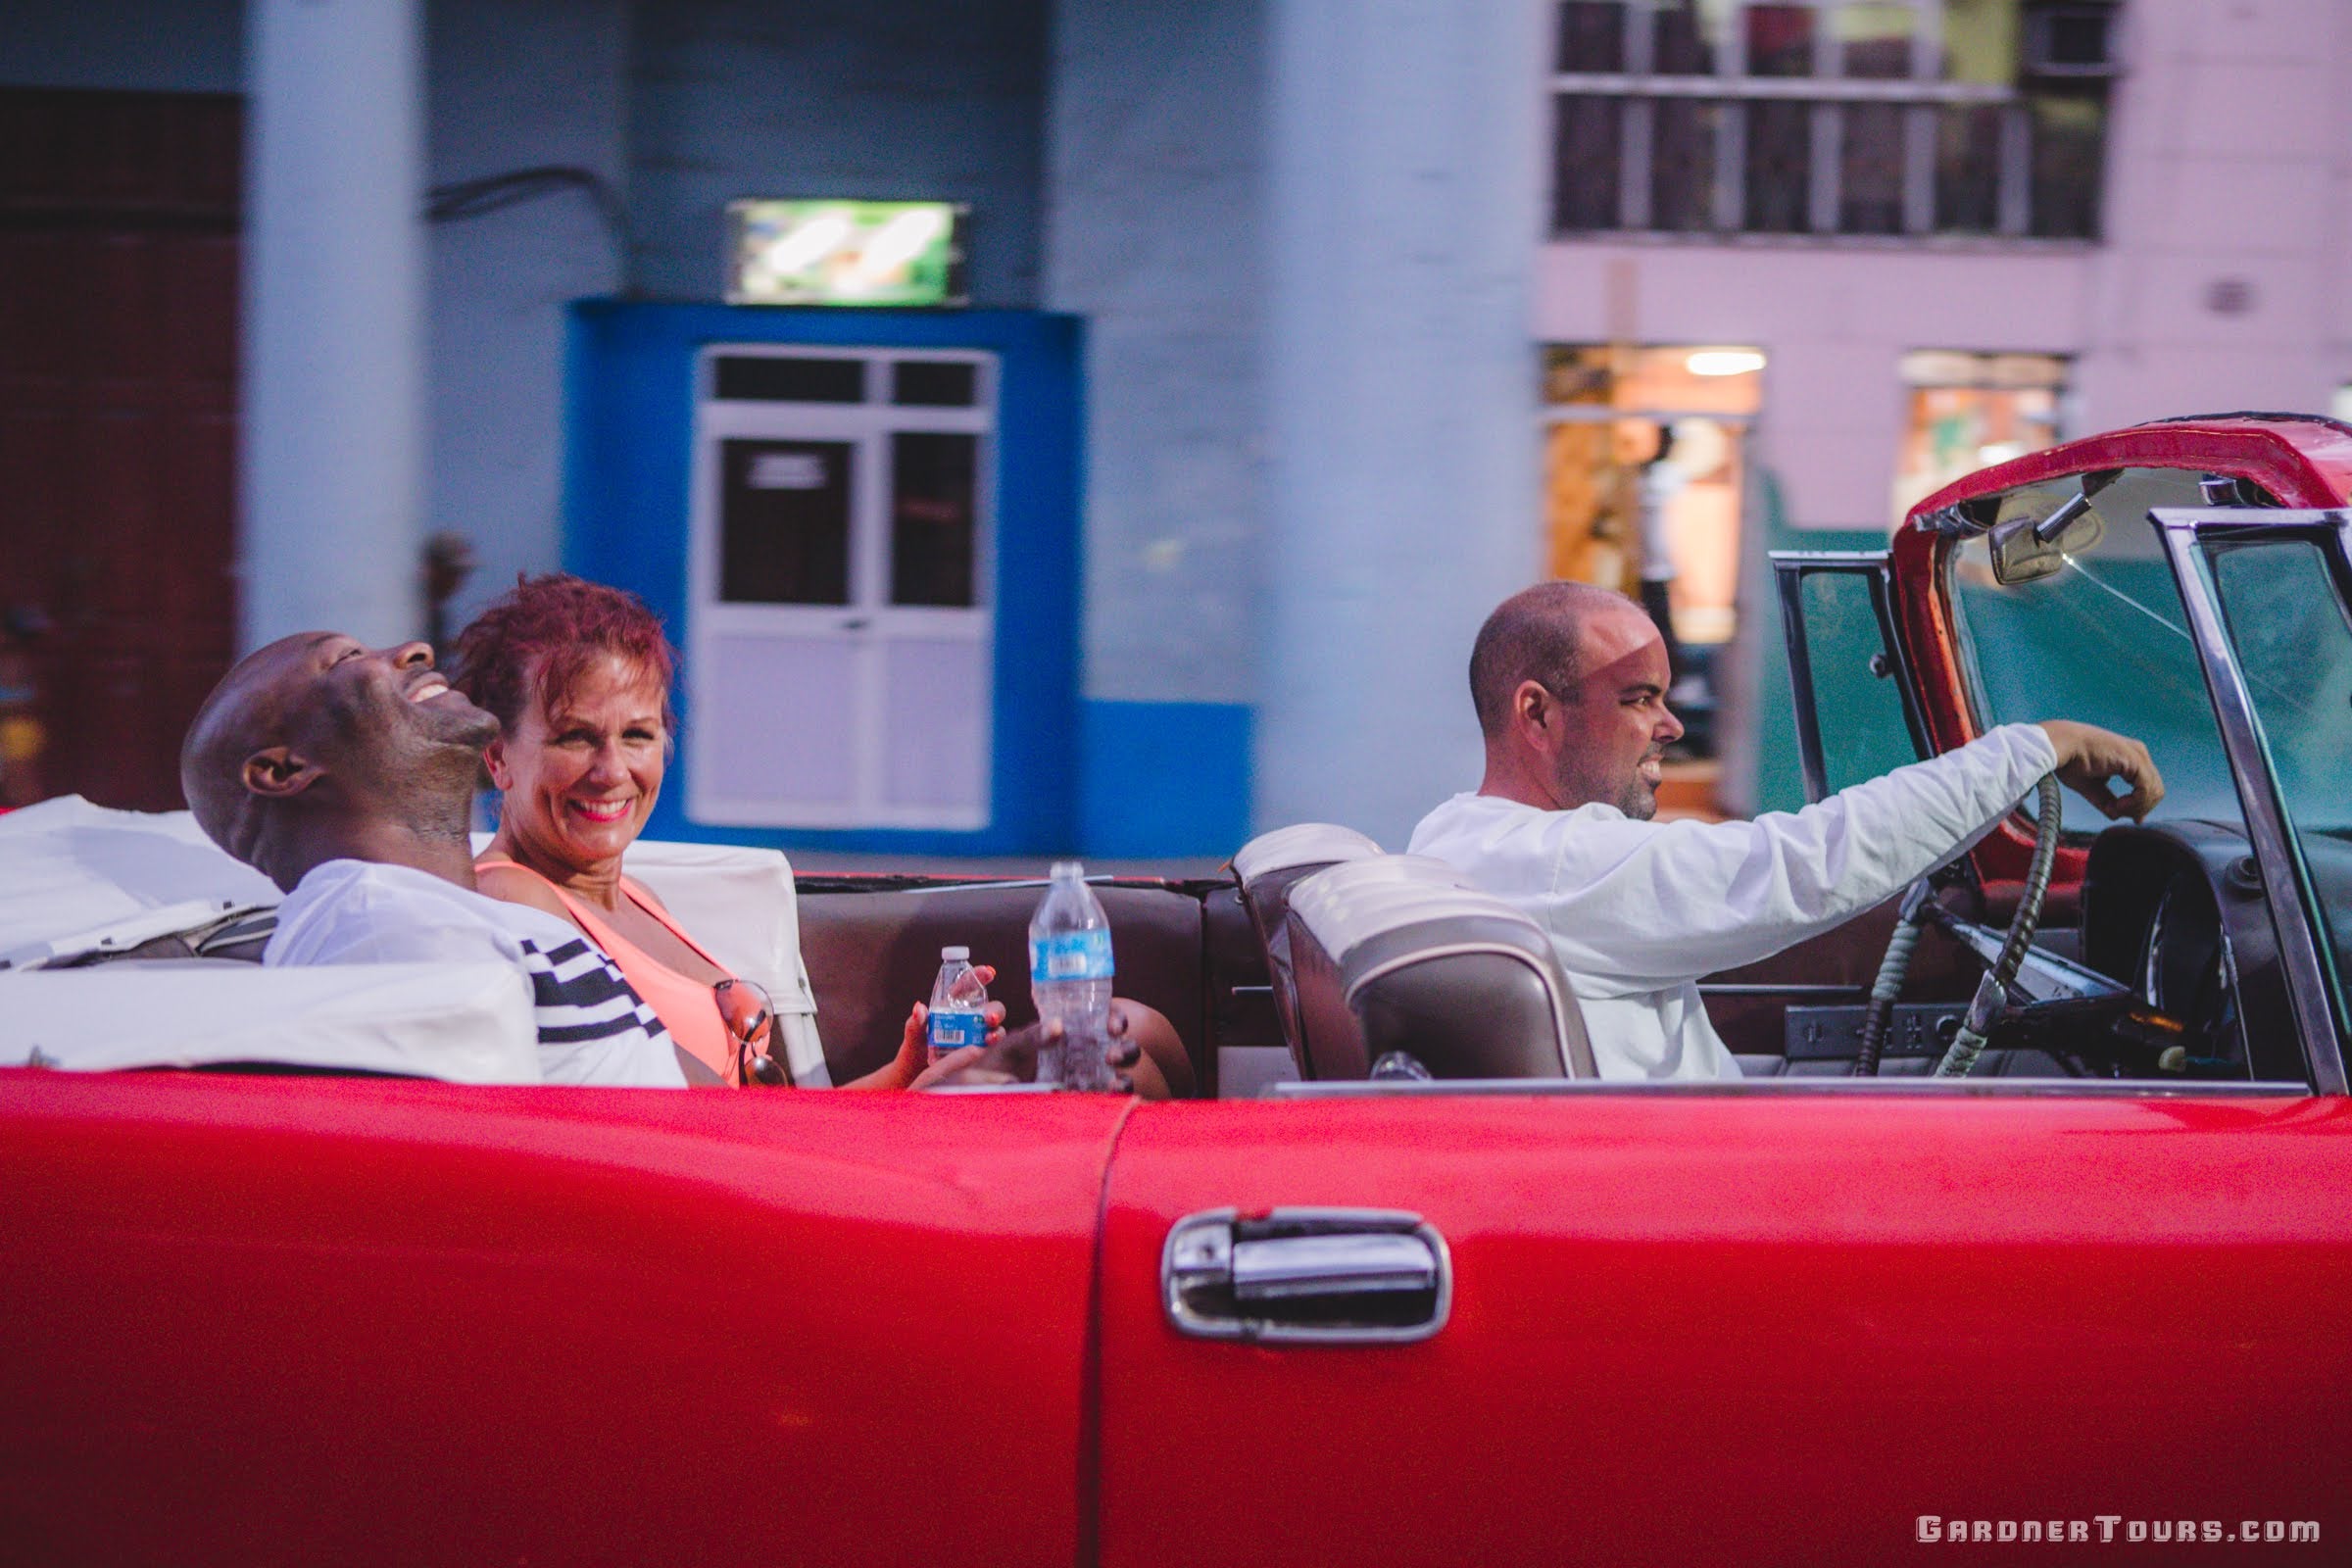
<point x="2287" y="889"/>
<point x="2300" y="461"/>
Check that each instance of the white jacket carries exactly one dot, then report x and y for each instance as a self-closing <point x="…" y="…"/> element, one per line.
<point x="1638" y="910"/>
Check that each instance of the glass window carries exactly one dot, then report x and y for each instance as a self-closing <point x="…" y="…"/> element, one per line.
<point x="1968" y="168"/>
<point x="934" y="383"/>
<point x="2287" y="625"/>
<point x="1644" y="481"/>
<point x="1969" y="411"/>
<point x="1780" y="167"/>
<point x="1593" y="36"/>
<point x="1684" y="133"/>
<point x="1588" y="160"/>
<point x="1684" y="37"/>
<point x="1873" y="40"/>
<point x="1871" y="181"/>
<point x="1780" y="41"/>
<point x="933" y="482"/>
<point x="783" y="379"/>
<point x="2069" y="139"/>
<point x="1861" y="117"/>
<point x="1856" y="701"/>
<point x="784" y="522"/>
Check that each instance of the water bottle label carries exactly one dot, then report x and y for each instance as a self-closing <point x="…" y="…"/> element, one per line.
<point x="1070" y="955"/>
<point x="952" y="1031"/>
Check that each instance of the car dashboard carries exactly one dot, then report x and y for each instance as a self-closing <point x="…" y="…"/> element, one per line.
<point x="2175" y="912"/>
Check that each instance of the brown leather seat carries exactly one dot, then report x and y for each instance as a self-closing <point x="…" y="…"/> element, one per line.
<point x="872" y="956"/>
<point x="1267" y="867"/>
<point x="1393" y="953"/>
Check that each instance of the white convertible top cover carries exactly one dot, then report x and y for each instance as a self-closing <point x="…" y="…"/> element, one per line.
<point x="466" y="1023"/>
<point x="77" y="878"/>
<point x="68" y="867"/>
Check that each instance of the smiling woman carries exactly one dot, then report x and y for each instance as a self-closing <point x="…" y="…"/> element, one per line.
<point x="578" y="678"/>
<point x="577" y="675"/>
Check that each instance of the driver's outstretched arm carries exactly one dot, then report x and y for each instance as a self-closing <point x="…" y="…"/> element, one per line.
<point x="2090" y="761"/>
<point x="1635" y="906"/>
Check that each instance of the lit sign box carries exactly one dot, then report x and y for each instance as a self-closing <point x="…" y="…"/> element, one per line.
<point x="844" y="253"/>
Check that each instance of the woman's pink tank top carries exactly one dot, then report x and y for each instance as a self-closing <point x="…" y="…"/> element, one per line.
<point x="685" y="1006"/>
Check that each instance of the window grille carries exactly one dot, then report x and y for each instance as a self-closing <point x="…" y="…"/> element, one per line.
<point x="1890" y="117"/>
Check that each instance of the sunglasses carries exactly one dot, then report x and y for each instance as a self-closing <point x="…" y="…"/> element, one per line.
<point x="749" y="1014"/>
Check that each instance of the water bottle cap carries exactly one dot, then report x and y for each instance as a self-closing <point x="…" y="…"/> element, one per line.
<point x="1068" y="871"/>
<point x="955" y="955"/>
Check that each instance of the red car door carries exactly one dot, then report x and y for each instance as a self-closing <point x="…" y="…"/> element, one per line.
<point x="346" y="1321"/>
<point x="1759" y="1326"/>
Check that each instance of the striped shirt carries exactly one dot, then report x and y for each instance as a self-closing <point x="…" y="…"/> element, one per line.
<point x="593" y="1028"/>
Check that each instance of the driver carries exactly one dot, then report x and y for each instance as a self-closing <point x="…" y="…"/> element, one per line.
<point x="1570" y="682"/>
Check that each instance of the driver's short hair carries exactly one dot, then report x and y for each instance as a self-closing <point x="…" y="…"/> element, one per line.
<point x="1533" y="635"/>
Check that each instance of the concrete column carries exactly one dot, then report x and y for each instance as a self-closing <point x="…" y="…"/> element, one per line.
<point x="1403" y="212"/>
<point x="335" y="320"/>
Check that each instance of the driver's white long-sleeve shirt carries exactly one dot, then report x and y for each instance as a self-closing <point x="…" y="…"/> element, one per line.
<point x="1638" y="910"/>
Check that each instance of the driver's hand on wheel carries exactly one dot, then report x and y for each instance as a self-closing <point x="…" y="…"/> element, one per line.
<point x="2092" y="759"/>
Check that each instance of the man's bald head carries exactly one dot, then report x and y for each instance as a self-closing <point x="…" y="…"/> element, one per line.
<point x="1537" y="634"/>
<point x="316" y="747"/>
<point x="248" y="713"/>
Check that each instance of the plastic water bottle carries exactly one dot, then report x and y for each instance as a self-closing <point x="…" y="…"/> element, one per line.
<point x="955" y="1019"/>
<point x="1069" y="979"/>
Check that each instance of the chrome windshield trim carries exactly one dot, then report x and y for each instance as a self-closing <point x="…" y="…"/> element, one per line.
<point x="1921" y="1087"/>
<point x="2185" y="532"/>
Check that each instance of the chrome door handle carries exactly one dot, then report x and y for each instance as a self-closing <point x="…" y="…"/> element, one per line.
<point x="1306" y="1276"/>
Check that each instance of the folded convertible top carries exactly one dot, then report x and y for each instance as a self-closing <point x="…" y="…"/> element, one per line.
<point x="463" y="1022"/>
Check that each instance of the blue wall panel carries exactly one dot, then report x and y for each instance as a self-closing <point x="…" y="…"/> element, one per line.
<point x="1166" y="779"/>
<point x="628" y="472"/>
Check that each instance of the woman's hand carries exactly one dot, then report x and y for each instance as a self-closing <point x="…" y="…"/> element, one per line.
<point x="912" y="1067"/>
<point x="1012" y="1058"/>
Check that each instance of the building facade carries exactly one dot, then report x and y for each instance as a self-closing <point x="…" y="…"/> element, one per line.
<point x="1373" y="312"/>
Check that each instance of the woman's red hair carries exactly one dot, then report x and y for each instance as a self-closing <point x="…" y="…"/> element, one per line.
<point x="538" y="639"/>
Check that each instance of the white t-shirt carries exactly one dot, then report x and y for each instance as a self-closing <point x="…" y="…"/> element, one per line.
<point x="593" y="1028"/>
<point x="1638" y="910"/>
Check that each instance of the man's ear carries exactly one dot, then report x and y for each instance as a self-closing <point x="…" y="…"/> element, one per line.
<point x="1532" y="708"/>
<point x="494" y="762"/>
<point x="276" y="772"/>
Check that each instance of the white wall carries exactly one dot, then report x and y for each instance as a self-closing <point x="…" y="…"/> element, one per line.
<point x="1405" y="193"/>
<point x="514" y="84"/>
<point x="126" y="45"/>
<point x="1154" y="232"/>
<point x="885" y="99"/>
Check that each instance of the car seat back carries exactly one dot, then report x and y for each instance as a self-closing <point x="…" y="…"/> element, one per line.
<point x="1268" y="867"/>
<point x="1395" y="954"/>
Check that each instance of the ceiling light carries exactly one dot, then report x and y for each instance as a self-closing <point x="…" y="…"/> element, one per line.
<point x="1724" y="362"/>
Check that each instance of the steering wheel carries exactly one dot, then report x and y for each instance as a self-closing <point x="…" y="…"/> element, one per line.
<point x="1992" y="1000"/>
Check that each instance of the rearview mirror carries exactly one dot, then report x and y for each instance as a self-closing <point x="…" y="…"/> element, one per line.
<point x="2030" y="548"/>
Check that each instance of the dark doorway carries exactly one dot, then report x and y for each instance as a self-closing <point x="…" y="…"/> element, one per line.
<point x="118" y="250"/>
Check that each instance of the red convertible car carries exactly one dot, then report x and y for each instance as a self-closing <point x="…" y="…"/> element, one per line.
<point x="2091" y="1293"/>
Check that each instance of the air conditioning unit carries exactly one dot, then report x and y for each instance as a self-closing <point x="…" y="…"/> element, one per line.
<point x="2069" y="40"/>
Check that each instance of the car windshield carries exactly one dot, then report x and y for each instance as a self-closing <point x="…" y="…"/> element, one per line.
<point x="2102" y="640"/>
